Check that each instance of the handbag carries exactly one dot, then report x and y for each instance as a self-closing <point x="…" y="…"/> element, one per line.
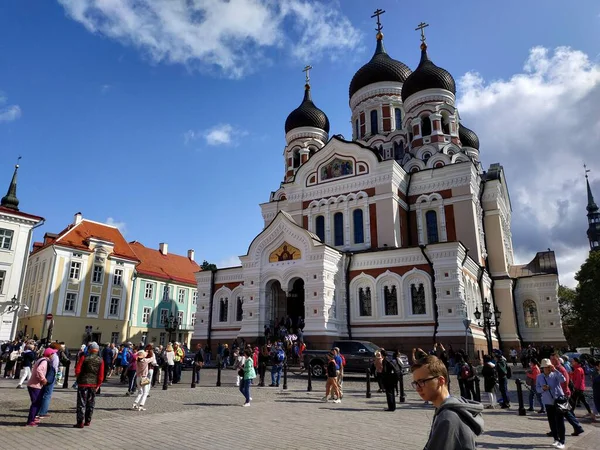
<point x="144" y="381"/>
<point x="241" y="373"/>
<point x="561" y="403"/>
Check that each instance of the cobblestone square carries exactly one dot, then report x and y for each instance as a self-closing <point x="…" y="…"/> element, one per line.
<point x="212" y="417"/>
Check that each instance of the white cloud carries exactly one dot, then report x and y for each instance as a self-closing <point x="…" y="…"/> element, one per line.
<point x="121" y="226"/>
<point x="542" y="125"/>
<point x="221" y="134"/>
<point x="10" y="112"/>
<point x="229" y="261"/>
<point x="230" y="35"/>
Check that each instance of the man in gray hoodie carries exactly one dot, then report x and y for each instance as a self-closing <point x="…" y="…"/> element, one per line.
<point x="456" y="422"/>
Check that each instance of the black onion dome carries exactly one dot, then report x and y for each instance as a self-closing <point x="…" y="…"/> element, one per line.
<point x="467" y="137"/>
<point x="307" y="115"/>
<point x="381" y="67"/>
<point x="427" y="76"/>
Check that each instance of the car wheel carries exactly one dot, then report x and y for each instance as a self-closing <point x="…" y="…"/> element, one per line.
<point x="317" y="370"/>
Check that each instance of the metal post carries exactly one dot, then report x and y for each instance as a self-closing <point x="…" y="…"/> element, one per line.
<point x="402" y="393"/>
<point x="519" y="384"/>
<point x="368" y="383"/>
<point x="166" y="376"/>
<point x="67" y="369"/>
<point x="285" y="367"/>
<point x="193" y="386"/>
<point x="219" y="374"/>
<point x="477" y="389"/>
<point x="309" y="387"/>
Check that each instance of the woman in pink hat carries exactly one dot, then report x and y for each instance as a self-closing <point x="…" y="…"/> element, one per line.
<point x="36" y="383"/>
<point x="142" y="380"/>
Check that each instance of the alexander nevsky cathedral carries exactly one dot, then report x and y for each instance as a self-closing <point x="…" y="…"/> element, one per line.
<point x="398" y="235"/>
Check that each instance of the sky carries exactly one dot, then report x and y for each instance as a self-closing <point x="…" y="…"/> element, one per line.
<point x="166" y="117"/>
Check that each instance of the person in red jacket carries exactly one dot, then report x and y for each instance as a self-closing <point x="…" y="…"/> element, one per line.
<point x="90" y="374"/>
<point x="578" y="377"/>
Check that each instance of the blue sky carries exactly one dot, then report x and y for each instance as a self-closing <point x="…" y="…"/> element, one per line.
<point x="171" y="123"/>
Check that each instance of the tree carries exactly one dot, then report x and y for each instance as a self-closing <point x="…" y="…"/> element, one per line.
<point x="586" y="304"/>
<point x="566" y="300"/>
<point x="208" y="266"/>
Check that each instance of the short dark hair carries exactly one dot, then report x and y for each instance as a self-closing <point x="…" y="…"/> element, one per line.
<point x="577" y="360"/>
<point x="434" y="364"/>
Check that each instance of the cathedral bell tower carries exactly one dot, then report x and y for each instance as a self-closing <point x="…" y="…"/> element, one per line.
<point x="593" y="215"/>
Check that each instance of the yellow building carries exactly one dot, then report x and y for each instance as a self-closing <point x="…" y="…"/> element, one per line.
<point x="82" y="278"/>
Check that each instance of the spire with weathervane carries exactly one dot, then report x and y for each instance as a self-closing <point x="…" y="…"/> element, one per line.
<point x="593" y="215"/>
<point x="10" y="200"/>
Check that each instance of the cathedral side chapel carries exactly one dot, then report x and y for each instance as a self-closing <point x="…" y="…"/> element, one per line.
<point x="397" y="236"/>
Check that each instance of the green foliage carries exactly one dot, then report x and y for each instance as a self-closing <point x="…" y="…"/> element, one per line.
<point x="208" y="266"/>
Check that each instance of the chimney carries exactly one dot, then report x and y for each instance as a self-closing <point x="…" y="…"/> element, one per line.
<point x="191" y="254"/>
<point x="77" y="219"/>
<point x="164" y="248"/>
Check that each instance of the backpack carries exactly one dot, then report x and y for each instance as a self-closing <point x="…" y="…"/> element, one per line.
<point x="465" y="372"/>
<point x="343" y="360"/>
<point x="280" y="356"/>
<point x="508" y="371"/>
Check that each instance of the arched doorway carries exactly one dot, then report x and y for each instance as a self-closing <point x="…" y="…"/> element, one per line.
<point x="295" y="301"/>
<point x="276" y="304"/>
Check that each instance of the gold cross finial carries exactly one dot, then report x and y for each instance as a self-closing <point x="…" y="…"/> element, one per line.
<point x="378" y="13"/>
<point x="422" y="27"/>
<point x="306" y="70"/>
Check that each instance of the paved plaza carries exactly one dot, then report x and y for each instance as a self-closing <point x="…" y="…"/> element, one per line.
<point x="212" y="417"/>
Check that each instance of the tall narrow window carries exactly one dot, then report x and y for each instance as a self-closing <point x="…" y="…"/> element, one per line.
<point x="359" y="234"/>
<point x="181" y="296"/>
<point x="70" y="302"/>
<point x="164" y="315"/>
<point x="417" y="297"/>
<point x="149" y="291"/>
<point x="97" y="274"/>
<point x="374" y="122"/>
<point x="338" y="229"/>
<point x="364" y="301"/>
<point x="74" y="270"/>
<point x="6" y="237"/>
<point x="320" y="227"/>
<point x="357" y="129"/>
<point x="146" y="314"/>
<point x="432" y="227"/>
<point x="296" y="159"/>
<point x="531" y="314"/>
<point x="2" y="277"/>
<point x="390" y="297"/>
<point x="223" y="309"/>
<point x="398" y="117"/>
<point x="114" y="307"/>
<point x="239" y="312"/>
<point x="118" y="277"/>
<point x="425" y="126"/>
<point x="93" y="304"/>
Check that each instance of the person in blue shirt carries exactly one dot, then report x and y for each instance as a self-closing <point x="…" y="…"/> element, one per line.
<point x="548" y="385"/>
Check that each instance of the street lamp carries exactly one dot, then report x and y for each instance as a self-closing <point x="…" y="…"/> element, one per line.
<point x="171" y="325"/>
<point x="488" y="323"/>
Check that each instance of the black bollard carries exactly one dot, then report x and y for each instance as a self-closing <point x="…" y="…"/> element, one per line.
<point x="309" y="387"/>
<point x="519" y="384"/>
<point x="18" y="366"/>
<point x="193" y="386"/>
<point x="66" y="382"/>
<point x="477" y="389"/>
<point x="402" y="393"/>
<point x="368" y="383"/>
<point x="166" y="376"/>
<point x="219" y="375"/>
<point x="285" y="376"/>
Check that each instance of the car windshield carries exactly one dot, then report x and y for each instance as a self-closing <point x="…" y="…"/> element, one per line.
<point x="369" y="346"/>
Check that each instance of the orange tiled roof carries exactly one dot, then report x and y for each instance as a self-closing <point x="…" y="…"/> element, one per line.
<point x="76" y="236"/>
<point x="168" y="267"/>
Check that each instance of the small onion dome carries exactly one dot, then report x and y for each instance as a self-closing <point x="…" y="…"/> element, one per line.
<point x="307" y="115"/>
<point x="381" y="67"/>
<point x="467" y="137"/>
<point x="427" y="76"/>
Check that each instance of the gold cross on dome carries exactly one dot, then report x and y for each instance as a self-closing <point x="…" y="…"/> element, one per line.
<point x="378" y="13"/>
<point x="422" y="27"/>
<point x="306" y="70"/>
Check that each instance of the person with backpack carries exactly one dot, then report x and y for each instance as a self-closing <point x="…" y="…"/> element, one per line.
<point x="278" y="359"/>
<point x="466" y="377"/>
<point x="40" y="377"/>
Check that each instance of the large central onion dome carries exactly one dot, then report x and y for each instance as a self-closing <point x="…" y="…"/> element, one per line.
<point x="307" y="115"/>
<point x="381" y="67"/>
<point x="427" y="76"/>
<point x="467" y="137"/>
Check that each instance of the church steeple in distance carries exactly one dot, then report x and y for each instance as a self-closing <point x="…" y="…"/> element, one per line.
<point x="593" y="215"/>
<point x="10" y="200"/>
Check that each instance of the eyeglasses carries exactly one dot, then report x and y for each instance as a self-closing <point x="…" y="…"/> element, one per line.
<point x="421" y="383"/>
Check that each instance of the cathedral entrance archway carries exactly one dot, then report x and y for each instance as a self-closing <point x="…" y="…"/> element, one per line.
<point x="276" y="303"/>
<point x="295" y="301"/>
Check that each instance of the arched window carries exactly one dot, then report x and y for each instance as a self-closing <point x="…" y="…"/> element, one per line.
<point x="425" y="126"/>
<point x="338" y="229"/>
<point x="432" y="227"/>
<point x="296" y="158"/>
<point x="239" y="313"/>
<point x="364" y="301"/>
<point x="445" y="124"/>
<point x="311" y="151"/>
<point x="359" y="234"/>
<point x="531" y="314"/>
<point x="320" y="227"/>
<point x="357" y="129"/>
<point x="390" y="297"/>
<point x="398" y="117"/>
<point x="223" y="303"/>
<point x="374" y="122"/>
<point x="417" y="297"/>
